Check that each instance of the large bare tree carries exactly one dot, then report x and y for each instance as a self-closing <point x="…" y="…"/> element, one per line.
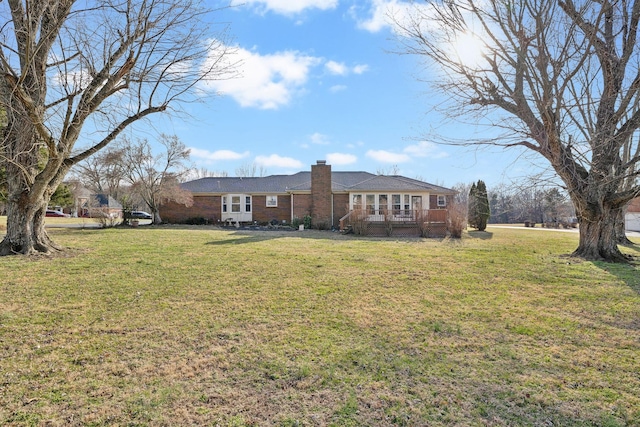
<point x="558" y="77"/>
<point x="75" y="74"/>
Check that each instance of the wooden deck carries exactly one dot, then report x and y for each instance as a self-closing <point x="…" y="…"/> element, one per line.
<point x="406" y="223"/>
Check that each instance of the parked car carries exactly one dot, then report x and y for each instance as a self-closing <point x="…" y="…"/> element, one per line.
<point x="58" y="214"/>
<point x="140" y="215"/>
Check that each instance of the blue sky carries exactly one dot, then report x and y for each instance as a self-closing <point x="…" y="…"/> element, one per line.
<point x="319" y="82"/>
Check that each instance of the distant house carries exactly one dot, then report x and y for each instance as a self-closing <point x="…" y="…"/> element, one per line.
<point x="329" y="198"/>
<point x="98" y="206"/>
<point x="632" y="218"/>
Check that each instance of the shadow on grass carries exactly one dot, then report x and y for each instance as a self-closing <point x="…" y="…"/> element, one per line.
<point x="244" y="236"/>
<point x="484" y="235"/>
<point x="242" y="240"/>
<point x="628" y="273"/>
<point x="633" y="246"/>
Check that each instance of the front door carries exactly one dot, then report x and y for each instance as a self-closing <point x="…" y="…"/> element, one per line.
<point x="416" y="205"/>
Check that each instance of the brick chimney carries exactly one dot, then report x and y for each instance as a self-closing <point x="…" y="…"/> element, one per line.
<point x="321" y="197"/>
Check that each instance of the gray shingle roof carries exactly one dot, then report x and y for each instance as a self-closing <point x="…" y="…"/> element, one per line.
<point x="106" y="201"/>
<point x="301" y="182"/>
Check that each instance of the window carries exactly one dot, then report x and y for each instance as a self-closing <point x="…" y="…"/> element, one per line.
<point x="224" y="203"/>
<point x="407" y="203"/>
<point x="442" y="201"/>
<point x="383" y="204"/>
<point x="247" y="204"/>
<point x="356" y="201"/>
<point x="272" y="201"/>
<point x="235" y="203"/>
<point x="395" y="203"/>
<point x="371" y="204"/>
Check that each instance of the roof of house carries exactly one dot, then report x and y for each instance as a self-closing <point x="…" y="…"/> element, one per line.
<point x="301" y="182"/>
<point x="106" y="201"/>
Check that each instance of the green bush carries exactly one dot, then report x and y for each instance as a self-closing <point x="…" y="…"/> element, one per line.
<point x="197" y="220"/>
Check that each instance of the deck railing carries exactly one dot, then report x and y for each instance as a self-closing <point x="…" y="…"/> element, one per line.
<point x="409" y="216"/>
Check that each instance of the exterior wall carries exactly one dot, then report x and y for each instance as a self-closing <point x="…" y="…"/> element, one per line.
<point x="632" y="221"/>
<point x="321" y="193"/>
<point x="340" y="207"/>
<point x="262" y="213"/>
<point x="632" y="218"/>
<point x="207" y="207"/>
<point x="301" y="205"/>
<point x="433" y="202"/>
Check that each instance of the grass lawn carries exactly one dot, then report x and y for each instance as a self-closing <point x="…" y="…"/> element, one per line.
<point x="55" y="221"/>
<point x="197" y="326"/>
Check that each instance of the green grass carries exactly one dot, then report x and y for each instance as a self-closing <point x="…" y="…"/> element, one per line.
<point x="195" y="326"/>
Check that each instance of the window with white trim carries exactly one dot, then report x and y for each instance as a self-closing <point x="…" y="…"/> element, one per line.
<point x="356" y="201"/>
<point x="224" y="203"/>
<point x="442" y="200"/>
<point x="235" y="203"/>
<point x="395" y="203"/>
<point x="371" y="204"/>
<point x="247" y="204"/>
<point x="272" y="201"/>
<point x="383" y="203"/>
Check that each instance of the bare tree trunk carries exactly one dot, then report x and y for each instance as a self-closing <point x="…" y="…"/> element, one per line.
<point x="598" y="238"/>
<point x="25" y="228"/>
<point x="621" y="232"/>
<point x="29" y="189"/>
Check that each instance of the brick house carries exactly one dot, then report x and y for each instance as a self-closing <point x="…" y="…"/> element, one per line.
<point x="632" y="217"/>
<point x="324" y="195"/>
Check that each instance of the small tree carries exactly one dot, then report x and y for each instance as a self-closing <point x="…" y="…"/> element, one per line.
<point x="250" y="170"/>
<point x="457" y="219"/>
<point x="63" y="196"/>
<point x="156" y="178"/>
<point x="479" y="210"/>
<point x="482" y="206"/>
<point x="104" y="172"/>
<point x="471" y="206"/>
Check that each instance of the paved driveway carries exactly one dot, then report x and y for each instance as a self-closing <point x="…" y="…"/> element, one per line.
<point x="561" y="230"/>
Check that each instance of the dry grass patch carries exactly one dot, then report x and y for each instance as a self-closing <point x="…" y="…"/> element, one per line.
<point x="195" y="326"/>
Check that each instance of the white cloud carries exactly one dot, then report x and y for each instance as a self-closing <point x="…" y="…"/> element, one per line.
<point x="384" y="12"/>
<point x="340" y="69"/>
<point x="341" y="159"/>
<point x="360" y="69"/>
<point x="388" y="156"/>
<point x="320" y="139"/>
<point x="337" y="88"/>
<point x="336" y="68"/>
<point x="425" y="149"/>
<point x="289" y="7"/>
<point x="266" y="81"/>
<point x="217" y="155"/>
<point x="277" y="161"/>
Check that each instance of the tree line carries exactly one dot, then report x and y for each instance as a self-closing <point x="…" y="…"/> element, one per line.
<point x="514" y="203"/>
